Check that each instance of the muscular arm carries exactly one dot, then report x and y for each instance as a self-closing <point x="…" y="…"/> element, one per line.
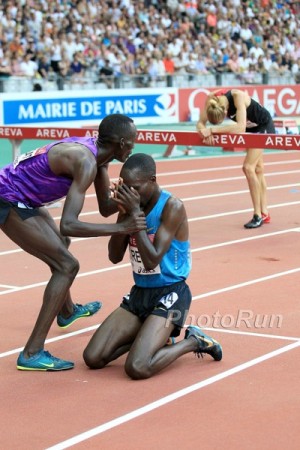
<point x="117" y="245"/>
<point x="106" y="205"/>
<point x="201" y="124"/>
<point x="79" y="164"/>
<point x="173" y="225"/>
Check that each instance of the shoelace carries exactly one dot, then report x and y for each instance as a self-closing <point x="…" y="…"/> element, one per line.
<point x="53" y="358"/>
<point x="199" y="354"/>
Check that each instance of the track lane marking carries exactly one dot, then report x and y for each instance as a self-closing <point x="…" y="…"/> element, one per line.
<point x="169" y="398"/>
<point x="191" y="219"/>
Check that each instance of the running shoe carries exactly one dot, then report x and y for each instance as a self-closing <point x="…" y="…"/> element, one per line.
<point x="79" y="311"/>
<point x="43" y="361"/>
<point x="266" y="218"/>
<point x="206" y="344"/>
<point x="255" y="222"/>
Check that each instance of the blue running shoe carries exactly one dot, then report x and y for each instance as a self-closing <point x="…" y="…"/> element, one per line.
<point x="43" y="361"/>
<point x="206" y="344"/>
<point x="79" y="311"/>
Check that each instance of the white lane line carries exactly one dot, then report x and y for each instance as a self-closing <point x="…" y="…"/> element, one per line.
<point x="80" y="275"/>
<point x="221" y="169"/>
<point x="217" y="330"/>
<point x="239" y="241"/>
<point x="121" y="266"/>
<point x="54" y="339"/>
<point x="218" y="169"/>
<point x="169" y="398"/>
<point x="224" y="214"/>
<point x="229" y="193"/>
<point x="249" y="333"/>
<point x="7" y="286"/>
<point x="192" y="219"/>
<point x="240" y="211"/>
<point x="247" y="283"/>
<point x="220" y="180"/>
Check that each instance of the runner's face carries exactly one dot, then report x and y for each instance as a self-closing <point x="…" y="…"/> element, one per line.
<point x="126" y="145"/>
<point x="142" y="184"/>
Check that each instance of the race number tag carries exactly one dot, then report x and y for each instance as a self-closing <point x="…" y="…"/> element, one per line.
<point x="169" y="299"/>
<point x="31" y="154"/>
<point x="136" y="260"/>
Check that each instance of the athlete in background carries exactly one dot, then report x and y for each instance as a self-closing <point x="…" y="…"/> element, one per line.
<point x="250" y="117"/>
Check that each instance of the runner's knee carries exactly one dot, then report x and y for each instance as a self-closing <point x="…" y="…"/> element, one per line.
<point x="259" y="169"/>
<point x="93" y="360"/>
<point x="248" y="169"/>
<point x="69" y="266"/>
<point x="137" y="369"/>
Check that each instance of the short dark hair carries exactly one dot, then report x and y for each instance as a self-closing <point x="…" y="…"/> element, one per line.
<point x="142" y="162"/>
<point x="114" y="127"/>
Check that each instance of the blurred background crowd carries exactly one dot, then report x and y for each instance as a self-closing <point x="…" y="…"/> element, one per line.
<point x="142" y="43"/>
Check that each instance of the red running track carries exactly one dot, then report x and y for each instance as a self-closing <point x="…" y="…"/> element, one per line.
<point x="245" y="292"/>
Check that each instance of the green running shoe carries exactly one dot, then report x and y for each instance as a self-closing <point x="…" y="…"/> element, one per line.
<point x="43" y="361"/>
<point x="79" y="311"/>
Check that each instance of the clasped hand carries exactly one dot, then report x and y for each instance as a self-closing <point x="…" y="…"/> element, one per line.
<point x="206" y="134"/>
<point x="127" y="199"/>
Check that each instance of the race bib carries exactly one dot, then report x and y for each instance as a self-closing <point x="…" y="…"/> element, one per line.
<point x="169" y="300"/>
<point x="136" y="260"/>
<point x="31" y="154"/>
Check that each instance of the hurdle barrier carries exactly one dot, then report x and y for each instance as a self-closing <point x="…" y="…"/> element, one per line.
<point x="170" y="138"/>
<point x="282" y="126"/>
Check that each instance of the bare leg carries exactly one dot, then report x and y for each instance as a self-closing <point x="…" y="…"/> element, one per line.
<point x="253" y="158"/>
<point x="263" y="185"/>
<point x="67" y="307"/>
<point x="36" y="237"/>
<point x="149" y="354"/>
<point x="112" y="339"/>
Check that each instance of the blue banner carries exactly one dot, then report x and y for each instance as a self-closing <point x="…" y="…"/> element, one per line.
<point x="66" y="109"/>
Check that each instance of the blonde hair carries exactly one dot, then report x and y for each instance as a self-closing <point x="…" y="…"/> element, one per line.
<point x="215" y="111"/>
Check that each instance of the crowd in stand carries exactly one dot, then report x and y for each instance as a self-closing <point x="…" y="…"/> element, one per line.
<point x="148" y="39"/>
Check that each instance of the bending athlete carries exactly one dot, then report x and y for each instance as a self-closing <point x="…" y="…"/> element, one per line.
<point x="62" y="169"/>
<point x="158" y="303"/>
<point x="250" y="117"/>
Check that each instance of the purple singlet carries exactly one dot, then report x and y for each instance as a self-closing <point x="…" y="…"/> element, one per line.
<point x="29" y="179"/>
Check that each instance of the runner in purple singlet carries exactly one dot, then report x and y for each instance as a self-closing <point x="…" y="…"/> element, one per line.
<point x="66" y="168"/>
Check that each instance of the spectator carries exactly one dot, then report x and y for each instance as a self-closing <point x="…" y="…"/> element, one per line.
<point x="156" y="69"/>
<point x="233" y="64"/>
<point x="56" y="50"/>
<point x="77" y="68"/>
<point x="63" y="70"/>
<point x="5" y="65"/>
<point x="28" y="67"/>
<point x="142" y="28"/>
<point x="106" y="73"/>
<point x="170" y="68"/>
<point x="43" y="66"/>
<point x="37" y="87"/>
<point x="256" y="50"/>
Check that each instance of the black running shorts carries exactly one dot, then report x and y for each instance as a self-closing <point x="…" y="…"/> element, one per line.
<point x="263" y="128"/>
<point x="171" y="301"/>
<point x="23" y="212"/>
